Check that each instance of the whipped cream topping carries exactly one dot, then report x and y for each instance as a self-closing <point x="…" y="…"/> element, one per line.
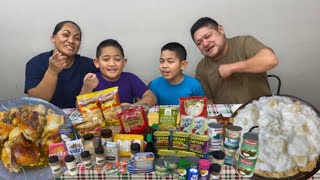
<point x="289" y="132"/>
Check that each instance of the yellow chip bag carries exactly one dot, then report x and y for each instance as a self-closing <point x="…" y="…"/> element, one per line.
<point x="110" y="105"/>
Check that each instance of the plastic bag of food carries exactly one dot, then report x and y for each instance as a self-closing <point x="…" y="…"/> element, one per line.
<point x="195" y="106"/>
<point x="133" y="120"/>
<point x="110" y="105"/>
<point x="89" y="107"/>
<point x="168" y="118"/>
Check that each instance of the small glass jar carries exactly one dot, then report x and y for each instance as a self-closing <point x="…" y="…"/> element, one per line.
<point x="88" y="144"/>
<point x="135" y="148"/>
<point x="106" y="136"/>
<point x="86" y="159"/>
<point x="71" y="164"/>
<point x="100" y="157"/>
<point x="215" y="170"/>
<point x="55" y="165"/>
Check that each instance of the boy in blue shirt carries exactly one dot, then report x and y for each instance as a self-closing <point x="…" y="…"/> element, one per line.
<point x="174" y="84"/>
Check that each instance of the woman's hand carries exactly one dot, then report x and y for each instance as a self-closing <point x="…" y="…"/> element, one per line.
<point x="90" y="82"/>
<point x="57" y="62"/>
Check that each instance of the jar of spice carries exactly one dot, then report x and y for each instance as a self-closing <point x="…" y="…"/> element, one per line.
<point x="86" y="159"/>
<point x="88" y="144"/>
<point x="106" y="136"/>
<point x="215" y="170"/>
<point x="135" y="148"/>
<point x="71" y="164"/>
<point x="100" y="157"/>
<point x="55" y="165"/>
<point x="204" y="166"/>
<point x="183" y="168"/>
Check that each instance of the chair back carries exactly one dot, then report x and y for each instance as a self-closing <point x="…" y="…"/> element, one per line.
<point x="275" y="79"/>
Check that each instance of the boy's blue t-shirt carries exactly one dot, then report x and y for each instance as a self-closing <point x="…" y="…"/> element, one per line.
<point x="168" y="94"/>
<point x="69" y="82"/>
<point x="130" y="86"/>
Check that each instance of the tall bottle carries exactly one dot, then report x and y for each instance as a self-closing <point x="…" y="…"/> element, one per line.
<point x="149" y="146"/>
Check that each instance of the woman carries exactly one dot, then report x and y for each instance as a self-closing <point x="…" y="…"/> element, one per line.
<point x="57" y="76"/>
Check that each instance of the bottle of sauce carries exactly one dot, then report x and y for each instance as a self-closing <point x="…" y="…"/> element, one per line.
<point x="86" y="159"/>
<point x="106" y="136"/>
<point x="88" y="144"/>
<point x="55" y="165"/>
<point x="71" y="164"/>
<point x="149" y="146"/>
<point x="135" y="148"/>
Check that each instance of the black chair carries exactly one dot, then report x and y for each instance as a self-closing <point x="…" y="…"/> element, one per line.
<point x="272" y="76"/>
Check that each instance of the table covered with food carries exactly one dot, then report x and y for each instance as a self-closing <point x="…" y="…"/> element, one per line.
<point x="273" y="137"/>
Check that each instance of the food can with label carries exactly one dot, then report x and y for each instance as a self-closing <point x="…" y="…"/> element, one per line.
<point x="245" y="167"/>
<point x="215" y="136"/>
<point x="250" y="145"/>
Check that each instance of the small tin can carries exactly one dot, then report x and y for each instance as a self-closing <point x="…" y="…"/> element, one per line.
<point x="171" y="161"/>
<point x="215" y="135"/>
<point x="193" y="174"/>
<point x="193" y="161"/>
<point x="250" y="145"/>
<point x="159" y="165"/>
<point x="245" y="167"/>
<point x="229" y="160"/>
<point x="229" y="151"/>
<point x="231" y="143"/>
<point x="233" y="132"/>
<point x="67" y="132"/>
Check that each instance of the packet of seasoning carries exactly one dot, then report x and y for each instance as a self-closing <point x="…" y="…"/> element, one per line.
<point x="133" y="120"/>
<point x="58" y="149"/>
<point x="167" y="118"/>
<point x="195" y="106"/>
<point x="75" y="147"/>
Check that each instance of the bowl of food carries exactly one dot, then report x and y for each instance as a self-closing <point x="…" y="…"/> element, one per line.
<point x="27" y="127"/>
<point x="289" y="133"/>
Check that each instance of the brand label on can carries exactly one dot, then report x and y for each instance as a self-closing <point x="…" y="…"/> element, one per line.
<point x="245" y="167"/>
<point x="231" y="143"/>
<point x="250" y="145"/>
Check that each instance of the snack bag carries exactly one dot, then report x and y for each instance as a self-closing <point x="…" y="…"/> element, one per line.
<point x="195" y="106"/>
<point x="110" y="105"/>
<point x="168" y="118"/>
<point x="133" y="120"/>
<point x="90" y="109"/>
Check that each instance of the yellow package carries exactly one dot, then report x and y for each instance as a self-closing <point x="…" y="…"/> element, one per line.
<point x="90" y="109"/>
<point x="110" y="105"/>
<point x="125" y="140"/>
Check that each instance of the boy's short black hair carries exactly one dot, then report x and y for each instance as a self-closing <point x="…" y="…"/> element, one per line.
<point x="203" y="22"/>
<point x="177" y="48"/>
<point x="107" y="43"/>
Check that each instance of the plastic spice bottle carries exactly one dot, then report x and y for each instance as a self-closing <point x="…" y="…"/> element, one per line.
<point x="204" y="166"/>
<point x="135" y="148"/>
<point x="215" y="170"/>
<point x="71" y="164"/>
<point x="100" y="157"/>
<point x="88" y="144"/>
<point x="183" y="168"/>
<point x="55" y="165"/>
<point x="106" y="136"/>
<point x="86" y="159"/>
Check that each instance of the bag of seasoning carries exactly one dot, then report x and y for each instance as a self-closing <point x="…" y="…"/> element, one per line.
<point x="167" y="118"/>
<point x="110" y="105"/>
<point x="195" y="106"/>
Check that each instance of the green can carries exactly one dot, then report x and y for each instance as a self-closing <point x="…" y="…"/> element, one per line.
<point x="250" y="145"/>
<point x="245" y="167"/>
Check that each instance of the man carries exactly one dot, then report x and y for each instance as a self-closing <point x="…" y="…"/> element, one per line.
<point x="233" y="70"/>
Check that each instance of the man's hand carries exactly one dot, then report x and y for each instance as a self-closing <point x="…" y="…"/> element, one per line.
<point x="90" y="81"/>
<point x="225" y="71"/>
<point x="57" y="62"/>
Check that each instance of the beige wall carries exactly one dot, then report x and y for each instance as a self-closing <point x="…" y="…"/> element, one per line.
<point x="290" y="27"/>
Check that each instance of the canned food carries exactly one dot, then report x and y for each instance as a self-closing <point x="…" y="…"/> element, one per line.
<point x="159" y="165"/>
<point x="171" y="161"/>
<point x="233" y="132"/>
<point x="231" y="143"/>
<point x="250" y="145"/>
<point x="193" y="174"/>
<point x="245" y="167"/>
